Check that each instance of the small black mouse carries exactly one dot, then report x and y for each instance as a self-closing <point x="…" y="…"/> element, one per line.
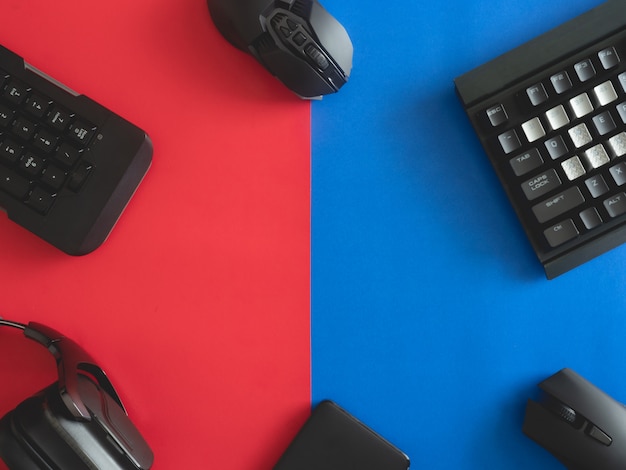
<point x="298" y="41"/>
<point x="578" y="423"/>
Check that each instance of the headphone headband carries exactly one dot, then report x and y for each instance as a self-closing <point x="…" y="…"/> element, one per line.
<point x="77" y="422"/>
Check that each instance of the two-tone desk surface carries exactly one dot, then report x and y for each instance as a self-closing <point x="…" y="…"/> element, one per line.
<point x="280" y="252"/>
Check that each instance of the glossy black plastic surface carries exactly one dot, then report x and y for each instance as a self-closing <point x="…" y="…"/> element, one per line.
<point x="299" y="42"/>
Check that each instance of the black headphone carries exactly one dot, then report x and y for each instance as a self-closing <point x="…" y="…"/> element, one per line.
<point x="77" y="423"/>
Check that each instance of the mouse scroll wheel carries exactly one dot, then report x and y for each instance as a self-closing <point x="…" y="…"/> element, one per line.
<point x="560" y="409"/>
<point x="566" y="413"/>
<point x="569" y="415"/>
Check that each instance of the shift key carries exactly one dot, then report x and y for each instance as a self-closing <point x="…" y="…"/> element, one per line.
<point x="558" y="204"/>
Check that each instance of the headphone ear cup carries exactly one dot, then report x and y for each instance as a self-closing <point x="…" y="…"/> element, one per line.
<point x="12" y="452"/>
<point x="29" y="440"/>
<point x="41" y="434"/>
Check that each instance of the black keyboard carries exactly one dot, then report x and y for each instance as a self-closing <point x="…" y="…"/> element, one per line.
<point x="551" y="116"/>
<point x="68" y="166"/>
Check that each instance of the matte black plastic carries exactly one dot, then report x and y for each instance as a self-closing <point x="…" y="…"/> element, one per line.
<point x="247" y="24"/>
<point x="120" y="154"/>
<point x="571" y="441"/>
<point x="332" y="439"/>
<point x="539" y="53"/>
<point x="505" y="78"/>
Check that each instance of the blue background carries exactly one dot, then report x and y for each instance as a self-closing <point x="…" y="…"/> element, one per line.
<point x="432" y="320"/>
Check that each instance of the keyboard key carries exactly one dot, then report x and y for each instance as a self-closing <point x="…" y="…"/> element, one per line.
<point x="618" y="144"/>
<point x="533" y="130"/>
<point x="584" y="70"/>
<point x="497" y="115"/>
<point x="581" y="105"/>
<point x="37" y="106"/>
<point x="605" y="93"/>
<point x="558" y="205"/>
<point x="40" y="200"/>
<point x="596" y="186"/>
<point x="621" y="109"/>
<point x="45" y="141"/>
<point x="556" y="147"/>
<point x="580" y="135"/>
<point x="59" y="119"/>
<point x="526" y="162"/>
<point x="15" y="92"/>
<point x="537" y="94"/>
<point x="31" y="164"/>
<point x="608" y="57"/>
<point x="541" y="184"/>
<point x="561" y="233"/>
<point x="616" y="205"/>
<point x="590" y="218"/>
<point x="67" y="155"/>
<point x="573" y="168"/>
<point x="82" y="132"/>
<point x="618" y="172"/>
<point x="557" y="117"/>
<point x="23" y="128"/>
<point x="597" y="156"/>
<point x="622" y="80"/>
<point x="604" y="123"/>
<point x="561" y="82"/>
<point x="509" y="141"/>
<point x="14" y="184"/>
<point x="6" y="116"/>
<point x="53" y="177"/>
<point x="10" y="151"/>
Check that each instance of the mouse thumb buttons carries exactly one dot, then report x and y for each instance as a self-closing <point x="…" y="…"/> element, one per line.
<point x="599" y="435"/>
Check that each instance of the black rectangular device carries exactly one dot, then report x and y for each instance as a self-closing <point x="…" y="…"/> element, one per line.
<point x="333" y="439"/>
<point x="68" y="166"/>
<point x="551" y="116"/>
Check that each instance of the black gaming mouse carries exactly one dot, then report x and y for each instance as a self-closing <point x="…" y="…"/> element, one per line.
<point x="298" y="41"/>
<point x="578" y="423"/>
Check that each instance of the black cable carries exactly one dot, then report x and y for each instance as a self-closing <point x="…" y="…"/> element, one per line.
<point x="12" y="324"/>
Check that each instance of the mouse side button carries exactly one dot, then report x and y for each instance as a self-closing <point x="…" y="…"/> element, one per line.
<point x="599" y="435"/>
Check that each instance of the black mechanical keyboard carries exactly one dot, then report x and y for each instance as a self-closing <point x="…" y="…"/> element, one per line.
<point x="68" y="166"/>
<point x="551" y="116"/>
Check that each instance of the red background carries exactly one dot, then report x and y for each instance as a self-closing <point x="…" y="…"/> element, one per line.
<point x="197" y="305"/>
